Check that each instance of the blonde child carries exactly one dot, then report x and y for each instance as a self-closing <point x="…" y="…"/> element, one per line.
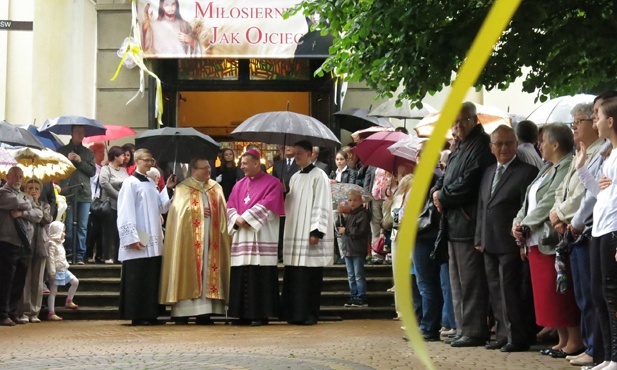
<point x="58" y="269"/>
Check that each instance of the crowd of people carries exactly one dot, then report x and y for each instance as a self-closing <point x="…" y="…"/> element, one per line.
<point x="517" y="234"/>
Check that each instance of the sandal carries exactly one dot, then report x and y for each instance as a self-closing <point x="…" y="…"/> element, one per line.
<point x="53" y="317"/>
<point x="70" y="305"/>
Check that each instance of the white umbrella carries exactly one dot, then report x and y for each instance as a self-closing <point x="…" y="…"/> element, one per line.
<point x="408" y="148"/>
<point x="489" y="117"/>
<point x="558" y="109"/>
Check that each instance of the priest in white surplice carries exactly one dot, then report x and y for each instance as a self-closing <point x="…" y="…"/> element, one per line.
<point x="195" y="275"/>
<point x="253" y="212"/>
<point x="308" y="242"/>
<point x="140" y="206"/>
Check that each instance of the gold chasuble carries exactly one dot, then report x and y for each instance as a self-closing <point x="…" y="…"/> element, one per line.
<point x="182" y="272"/>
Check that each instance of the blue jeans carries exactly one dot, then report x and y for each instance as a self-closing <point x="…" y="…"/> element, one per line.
<point x="83" y="212"/>
<point x="581" y="281"/>
<point x="355" y="275"/>
<point x="447" y="313"/>
<point x="427" y="275"/>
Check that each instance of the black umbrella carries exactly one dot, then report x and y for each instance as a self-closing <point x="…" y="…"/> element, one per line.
<point x="178" y="144"/>
<point x="63" y="125"/>
<point x="354" y="119"/>
<point x="15" y="136"/>
<point x="285" y="128"/>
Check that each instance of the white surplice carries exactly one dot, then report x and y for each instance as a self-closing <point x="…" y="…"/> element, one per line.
<point x="308" y="207"/>
<point x="140" y="207"/>
<point x="256" y="245"/>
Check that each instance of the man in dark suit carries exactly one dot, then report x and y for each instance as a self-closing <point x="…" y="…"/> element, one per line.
<point x="286" y="167"/>
<point x="319" y="164"/>
<point x="502" y="191"/>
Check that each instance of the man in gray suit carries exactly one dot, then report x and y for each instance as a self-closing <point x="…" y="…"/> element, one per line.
<point x="502" y="192"/>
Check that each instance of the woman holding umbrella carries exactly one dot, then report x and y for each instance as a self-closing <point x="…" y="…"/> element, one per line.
<point x="532" y="227"/>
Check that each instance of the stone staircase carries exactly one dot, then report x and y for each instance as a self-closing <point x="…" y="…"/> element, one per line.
<point x="99" y="286"/>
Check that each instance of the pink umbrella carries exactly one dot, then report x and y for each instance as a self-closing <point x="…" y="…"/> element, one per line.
<point x="113" y="132"/>
<point x="6" y="159"/>
<point x="373" y="151"/>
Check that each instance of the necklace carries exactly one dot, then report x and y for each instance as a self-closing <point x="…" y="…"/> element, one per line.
<point x="247" y="199"/>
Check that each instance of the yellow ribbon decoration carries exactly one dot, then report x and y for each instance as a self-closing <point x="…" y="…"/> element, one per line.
<point x="498" y="18"/>
<point x="134" y="49"/>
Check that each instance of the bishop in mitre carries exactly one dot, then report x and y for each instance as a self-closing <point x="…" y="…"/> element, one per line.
<point x="195" y="273"/>
<point x="254" y="209"/>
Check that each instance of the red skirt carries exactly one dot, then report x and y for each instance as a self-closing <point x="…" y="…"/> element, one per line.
<point x="553" y="309"/>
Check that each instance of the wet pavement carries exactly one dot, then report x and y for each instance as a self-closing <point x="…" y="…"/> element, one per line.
<point x="352" y="344"/>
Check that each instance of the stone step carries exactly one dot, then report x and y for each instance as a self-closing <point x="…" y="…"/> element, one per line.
<point x="327" y="313"/>
<point x="328" y="298"/>
<point x="110" y="271"/>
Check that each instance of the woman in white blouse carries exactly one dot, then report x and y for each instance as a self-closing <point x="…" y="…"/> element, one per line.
<point x="604" y="231"/>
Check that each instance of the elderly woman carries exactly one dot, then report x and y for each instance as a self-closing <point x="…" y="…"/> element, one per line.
<point x="33" y="288"/>
<point x="567" y="202"/>
<point x="111" y="177"/>
<point x="533" y="228"/>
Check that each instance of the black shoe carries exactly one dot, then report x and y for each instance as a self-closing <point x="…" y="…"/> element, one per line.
<point x="259" y="322"/>
<point x="452" y="338"/>
<point x="180" y="320"/>
<point x="546" y="351"/>
<point x="359" y="302"/>
<point x="428" y="337"/>
<point x="558" y="353"/>
<point x="349" y="303"/>
<point x="496" y="345"/>
<point x="204" y="320"/>
<point x="466" y="341"/>
<point x="512" y="347"/>
<point x="340" y="262"/>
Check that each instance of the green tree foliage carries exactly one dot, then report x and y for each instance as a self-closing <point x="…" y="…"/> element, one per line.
<point x="420" y="44"/>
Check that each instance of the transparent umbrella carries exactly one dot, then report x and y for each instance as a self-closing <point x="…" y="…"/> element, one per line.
<point x="558" y="109"/>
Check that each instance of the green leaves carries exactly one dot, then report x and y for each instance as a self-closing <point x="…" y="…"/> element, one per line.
<point x="565" y="44"/>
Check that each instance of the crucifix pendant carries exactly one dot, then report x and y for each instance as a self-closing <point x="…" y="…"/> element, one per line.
<point x="247" y="199"/>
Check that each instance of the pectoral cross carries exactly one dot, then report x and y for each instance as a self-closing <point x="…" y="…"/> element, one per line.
<point x="247" y="199"/>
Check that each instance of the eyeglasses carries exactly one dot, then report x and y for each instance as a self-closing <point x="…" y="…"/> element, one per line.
<point x="577" y="122"/>
<point x="151" y="160"/>
<point x="459" y="122"/>
<point x="501" y="144"/>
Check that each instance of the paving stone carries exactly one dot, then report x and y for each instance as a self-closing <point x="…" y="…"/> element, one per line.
<point x="353" y="344"/>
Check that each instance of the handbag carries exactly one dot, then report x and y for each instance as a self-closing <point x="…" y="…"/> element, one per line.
<point x="440" y="248"/>
<point x="549" y="237"/>
<point x="100" y="208"/>
<point x="378" y="246"/>
<point x="429" y="216"/>
<point x="387" y="221"/>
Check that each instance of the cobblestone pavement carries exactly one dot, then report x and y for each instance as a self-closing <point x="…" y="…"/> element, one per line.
<point x="354" y="344"/>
